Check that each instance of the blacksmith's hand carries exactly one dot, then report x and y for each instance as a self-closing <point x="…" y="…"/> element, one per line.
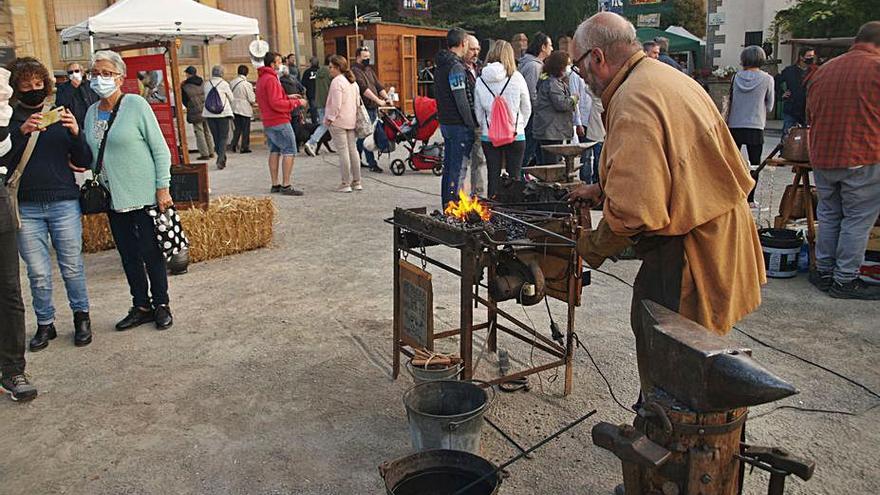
<point x="580" y="131"/>
<point x="586" y="195"/>
<point x="163" y="199"/>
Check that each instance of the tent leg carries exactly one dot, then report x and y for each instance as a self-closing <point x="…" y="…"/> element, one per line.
<point x="91" y="48"/>
<point x="178" y="106"/>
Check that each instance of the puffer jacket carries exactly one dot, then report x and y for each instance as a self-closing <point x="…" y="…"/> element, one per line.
<point x="193" y="99"/>
<point x="516" y="94"/>
<point x="553" y="111"/>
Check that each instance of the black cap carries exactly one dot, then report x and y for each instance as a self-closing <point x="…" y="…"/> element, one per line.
<point x="190" y="70"/>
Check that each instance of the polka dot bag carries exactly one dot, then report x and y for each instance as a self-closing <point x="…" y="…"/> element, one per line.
<point x="169" y="231"/>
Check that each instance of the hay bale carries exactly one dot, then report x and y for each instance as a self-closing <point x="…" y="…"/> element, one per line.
<point x="96" y="233"/>
<point x="230" y="225"/>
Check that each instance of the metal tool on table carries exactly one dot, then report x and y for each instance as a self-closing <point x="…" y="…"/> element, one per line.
<point x="687" y="436"/>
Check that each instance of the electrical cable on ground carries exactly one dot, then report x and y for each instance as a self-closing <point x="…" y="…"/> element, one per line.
<point x="580" y="344"/>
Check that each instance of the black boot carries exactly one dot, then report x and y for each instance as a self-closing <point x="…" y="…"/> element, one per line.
<point x="44" y="334"/>
<point x="82" y="329"/>
<point x="136" y="316"/>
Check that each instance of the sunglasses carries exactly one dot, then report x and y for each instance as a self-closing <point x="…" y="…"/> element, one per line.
<point x="74" y="71"/>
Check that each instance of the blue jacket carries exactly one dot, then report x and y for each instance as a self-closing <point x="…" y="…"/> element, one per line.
<point x="48" y="176"/>
<point x="454" y="91"/>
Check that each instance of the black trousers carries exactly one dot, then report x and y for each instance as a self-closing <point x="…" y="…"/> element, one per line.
<point x="220" y="132"/>
<point x="508" y="157"/>
<point x="133" y="232"/>
<point x="242" y="131"/>
<point x="658" y="280"/>
<point x="545" y="157"/>
<point x="12" y="333"/>
<point x="753" y="139"/>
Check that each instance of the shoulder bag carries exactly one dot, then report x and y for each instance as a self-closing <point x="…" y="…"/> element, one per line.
<point x="363" y="125"/>
<point x="15" y="178"/>
<point x="93" y="196"/>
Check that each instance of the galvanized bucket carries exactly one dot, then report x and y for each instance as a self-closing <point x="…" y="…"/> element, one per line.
<point x="433" y="373"/>
<point x="439" y="472"/>
<point x="447" y="414"/>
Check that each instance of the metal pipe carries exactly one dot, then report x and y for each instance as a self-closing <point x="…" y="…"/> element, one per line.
<point x="506" y="436"/>
<point x="295" y="33"/>
<point x="523" y="454"/>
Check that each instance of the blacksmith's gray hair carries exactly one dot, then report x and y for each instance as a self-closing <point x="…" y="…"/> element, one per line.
<point x="752" y="56"/>
<point x="611" y="33"/>
<point x="112" y="57"/>
<point x="217" y="71"/>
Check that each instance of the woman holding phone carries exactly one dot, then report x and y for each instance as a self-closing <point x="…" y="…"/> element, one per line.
<point x="48" y="198"/>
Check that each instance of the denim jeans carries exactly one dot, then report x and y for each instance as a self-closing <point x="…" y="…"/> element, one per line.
<point x="320" y="130"/>
<point x="589" y="171"/>
<point x="458" y="141"/>
<point x="533" y="147"/>
<point x="133" y="232"/>
<point x="281" y="139"/>
<point x="12" y="333"/>
<point x="60" y="222"/>
<point x="371" y="158"/>
<point x="849" y="202"/>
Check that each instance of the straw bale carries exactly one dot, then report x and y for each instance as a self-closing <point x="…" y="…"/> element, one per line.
<point x="230" y="225"/>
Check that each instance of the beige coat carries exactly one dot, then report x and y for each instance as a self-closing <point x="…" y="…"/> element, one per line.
<point x="670" y="167"/>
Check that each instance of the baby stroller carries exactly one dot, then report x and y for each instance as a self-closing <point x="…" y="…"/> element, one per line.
<point x="410" y="131"/>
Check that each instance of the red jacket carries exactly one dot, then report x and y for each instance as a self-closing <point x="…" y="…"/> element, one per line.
<point x="275" y="106"/>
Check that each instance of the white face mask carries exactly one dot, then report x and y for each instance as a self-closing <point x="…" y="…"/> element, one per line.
<point x="104" y="86"/>
<point x="568" y="70"/>
<point x="76" y="76"/>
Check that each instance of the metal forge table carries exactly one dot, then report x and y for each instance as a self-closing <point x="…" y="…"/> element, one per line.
<point x="414" y="231"/>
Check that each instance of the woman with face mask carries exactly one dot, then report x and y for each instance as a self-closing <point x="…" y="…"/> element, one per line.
<point x="48" y="198"/>
<point x="136" y="169"/>
<point x="554" y="105"/>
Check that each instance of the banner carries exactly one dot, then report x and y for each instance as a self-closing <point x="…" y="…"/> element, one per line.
<point x="147" y="77"/>
<point x="326" y="4"/>
<point x="615" y="6"/>
<point x="409" y="8"/>
<point x="648" y="20"/>
<point x="522" y="10"/>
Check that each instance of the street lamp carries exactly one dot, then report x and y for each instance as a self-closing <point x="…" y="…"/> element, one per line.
<point x="368" y="17"/>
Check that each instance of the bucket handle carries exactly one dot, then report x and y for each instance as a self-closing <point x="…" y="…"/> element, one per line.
<point x="453" y="425"/>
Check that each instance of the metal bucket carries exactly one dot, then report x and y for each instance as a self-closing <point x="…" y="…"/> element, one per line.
<point x="446" y="414"/>
<point x="433" y="373"/>
<point x="439" y="472"/>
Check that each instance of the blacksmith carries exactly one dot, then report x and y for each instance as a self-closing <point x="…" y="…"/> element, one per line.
<point x="674" y="184"/>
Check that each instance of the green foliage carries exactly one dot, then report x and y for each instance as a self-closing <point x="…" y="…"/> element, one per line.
<point x="827" y="18"/>
<point x="480" y="16"/>
<point x="689" y="14"/>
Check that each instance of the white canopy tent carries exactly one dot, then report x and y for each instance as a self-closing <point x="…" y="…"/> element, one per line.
<point x="136" y="24"/>
<point x="143" y="21"/>
<point x="685" y="34"/>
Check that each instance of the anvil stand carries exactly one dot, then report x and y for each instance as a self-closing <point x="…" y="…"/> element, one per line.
<point x="474" y="255"/>
<point x="565" y="173"/>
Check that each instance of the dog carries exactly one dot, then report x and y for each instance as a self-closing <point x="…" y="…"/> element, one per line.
<point x="304" y="130"/>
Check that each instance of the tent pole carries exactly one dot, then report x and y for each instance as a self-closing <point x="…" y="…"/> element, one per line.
<point x="295" y="32"/>
<point x="171" y="46"/>
<point x="91" y="48"/>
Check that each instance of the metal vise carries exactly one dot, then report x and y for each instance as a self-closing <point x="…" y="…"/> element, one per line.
<point x="696" y="389"/>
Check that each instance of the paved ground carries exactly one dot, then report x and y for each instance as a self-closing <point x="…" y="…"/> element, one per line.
<point x="275" y="378"/>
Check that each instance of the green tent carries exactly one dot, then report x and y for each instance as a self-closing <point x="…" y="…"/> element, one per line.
<point x="677" y="43"/>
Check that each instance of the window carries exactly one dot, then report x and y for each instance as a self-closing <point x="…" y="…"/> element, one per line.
<point x="754" y="38"/>
<point x="237" y="49"/>
<point x="190" y="49"/>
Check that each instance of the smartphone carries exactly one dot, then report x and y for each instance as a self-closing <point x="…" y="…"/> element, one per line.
<point x="51" y="117"/>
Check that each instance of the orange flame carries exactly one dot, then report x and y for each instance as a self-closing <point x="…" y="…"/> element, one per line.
<point x="465" y="206"/>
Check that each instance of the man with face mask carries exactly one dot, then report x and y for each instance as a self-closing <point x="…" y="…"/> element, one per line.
<point x="373" y="95"/>
<point x="794" y="107"/>
<point x="672" y="181"/>
<point x="74" y="95"/>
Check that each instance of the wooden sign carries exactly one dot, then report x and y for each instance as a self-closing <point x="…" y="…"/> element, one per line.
<point x="189" y="185"/>
<point x="416" y="317"/>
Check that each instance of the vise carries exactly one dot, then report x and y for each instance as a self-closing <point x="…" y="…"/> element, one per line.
<point x="696" y="390"/>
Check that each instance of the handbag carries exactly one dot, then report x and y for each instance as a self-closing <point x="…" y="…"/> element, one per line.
<point x="93" y="196"/>
<point x="15" y="178"/>
<point x="363" y="126"/>
<point x="796" y="146"/>
<point x="168" y="230"/>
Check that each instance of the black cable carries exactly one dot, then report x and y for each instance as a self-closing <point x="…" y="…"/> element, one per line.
<point x="603" y="272"/>
<point x="578" y="342"/>
<point x="808" y="409"/>
<point x="811" y="363"/>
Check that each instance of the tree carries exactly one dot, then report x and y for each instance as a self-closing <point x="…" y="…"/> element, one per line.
<point x="689" y="14"/>
<point x="827" y="18"/>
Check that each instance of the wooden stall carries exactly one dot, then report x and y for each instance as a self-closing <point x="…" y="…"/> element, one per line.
<point x="398" y="51"/>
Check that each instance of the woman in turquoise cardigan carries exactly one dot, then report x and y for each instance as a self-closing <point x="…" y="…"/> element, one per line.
<point x="137" y="172"/>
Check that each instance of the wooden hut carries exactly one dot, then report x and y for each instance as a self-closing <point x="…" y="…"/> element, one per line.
<point x="398" y="51"/>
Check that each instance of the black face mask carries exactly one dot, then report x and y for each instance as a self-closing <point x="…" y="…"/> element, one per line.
<point x="365" y="61"/>
<point x="34" y="97"/>
<point x="809" y="60"/>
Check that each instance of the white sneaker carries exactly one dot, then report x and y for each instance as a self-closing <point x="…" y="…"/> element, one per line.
<point x="357" y="186"/>
<point x="343" y="188"/>
<point x="309" y="148"/>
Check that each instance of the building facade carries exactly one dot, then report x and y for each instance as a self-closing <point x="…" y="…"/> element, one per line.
<point x="735" y="24"/>
<point x="33" y="28"/>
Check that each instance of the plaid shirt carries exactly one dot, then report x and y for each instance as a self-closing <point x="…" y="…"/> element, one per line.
<point x="843" y="108"/>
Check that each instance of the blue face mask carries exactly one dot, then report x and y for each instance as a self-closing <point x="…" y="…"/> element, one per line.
<point x="104" y="86"/>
